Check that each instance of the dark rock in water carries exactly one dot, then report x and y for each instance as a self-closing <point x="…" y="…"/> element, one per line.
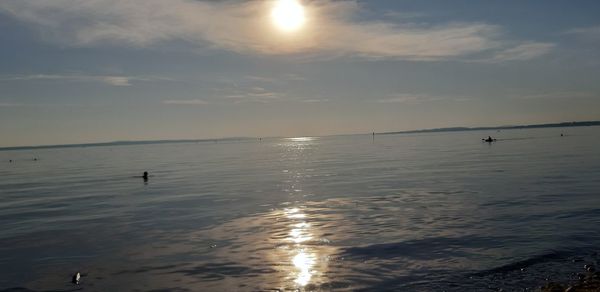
<point x="587" y="283"/>
<point x="590" y="268"/>
<point x="553" y="287"/>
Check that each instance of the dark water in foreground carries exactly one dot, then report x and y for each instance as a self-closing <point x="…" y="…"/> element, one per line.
<point x="423" y="212"/>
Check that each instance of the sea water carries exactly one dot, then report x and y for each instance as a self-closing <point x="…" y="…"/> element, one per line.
<point x="406" y="212"/>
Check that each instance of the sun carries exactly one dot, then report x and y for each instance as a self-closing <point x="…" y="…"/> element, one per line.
<point x="288" y="15"/>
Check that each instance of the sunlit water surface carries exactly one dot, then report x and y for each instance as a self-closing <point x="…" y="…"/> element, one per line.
<point x="420" y="212"/>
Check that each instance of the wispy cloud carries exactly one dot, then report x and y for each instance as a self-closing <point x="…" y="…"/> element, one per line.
<point x="555" y="95"/>
<point x="403" y="15"/>
<point x="117" y="80"/>
<point x="185" y="102"/>
<point x="404" y="98"/>
<point x="525" y="51"/>
<point x="255" y="96"/>
<point x="590" y="34"/>
<point x="285" y="78"/>
<point x="408" y="98"/>
<point x="244" y="27"/>
<point x="261" y="78"/>
<point x="249" y="92"/>
<point x="106" y="79"/>
<point x="314" y="100"/>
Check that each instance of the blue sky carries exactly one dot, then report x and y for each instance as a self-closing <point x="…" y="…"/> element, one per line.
<point x="76" y="71"/>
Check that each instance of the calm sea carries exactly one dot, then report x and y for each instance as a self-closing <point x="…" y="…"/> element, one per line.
<point x="412" y="212"/>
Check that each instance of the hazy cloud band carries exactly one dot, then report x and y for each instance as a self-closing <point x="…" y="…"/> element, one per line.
<point x="244" y="27"/>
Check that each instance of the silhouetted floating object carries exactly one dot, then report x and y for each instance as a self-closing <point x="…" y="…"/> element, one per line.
<point x="145" y="175"/>
<point x="76" y="278"/>
<point x="489" y="139"/>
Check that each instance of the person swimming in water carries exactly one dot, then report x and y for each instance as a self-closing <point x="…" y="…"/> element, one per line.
<point x="145" y="175"/>
<point x="76" y="278"/>
<point x="489" y="139"/>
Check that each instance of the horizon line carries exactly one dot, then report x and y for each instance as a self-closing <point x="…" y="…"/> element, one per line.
<point x="245" y="138"/>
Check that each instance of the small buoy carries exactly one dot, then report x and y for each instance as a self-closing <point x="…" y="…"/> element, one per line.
<point x="76" y="278"/>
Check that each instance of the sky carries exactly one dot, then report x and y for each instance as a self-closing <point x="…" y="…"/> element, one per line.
<point x="79" y="71"/>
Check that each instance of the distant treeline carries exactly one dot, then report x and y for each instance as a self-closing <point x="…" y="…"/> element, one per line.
<point x="457" y="129"/>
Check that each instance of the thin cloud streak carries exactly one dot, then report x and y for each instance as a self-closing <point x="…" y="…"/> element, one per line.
<point x="106" y="79"/>
<point x="420" y="98"/>
<point x="524" y="51"/>
<point x="314" y="100"/>
<point x="185" y="102"/>
<point x="244" y="27"/>
<point x="249" y="93"/>
<point x="556" y="95"/>
<point x="589" y="34"/>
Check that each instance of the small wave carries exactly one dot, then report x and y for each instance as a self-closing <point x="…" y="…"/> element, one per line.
<point x="518" y="265"/>
<point x="428" y="248"/>
<point x="219" y="271"/>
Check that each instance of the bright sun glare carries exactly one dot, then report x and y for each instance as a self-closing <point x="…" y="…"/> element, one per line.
<point x="288" y="15"/>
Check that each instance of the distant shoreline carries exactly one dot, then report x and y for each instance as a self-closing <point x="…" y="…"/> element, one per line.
<point x="123" y="143"/>
<point x="436" y="130"/>
<point x="535" y="126"/>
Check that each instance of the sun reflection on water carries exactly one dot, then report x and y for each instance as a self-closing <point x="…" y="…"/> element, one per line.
<point x="304" y="262"/>
<point x="301" y="139"/>
<point x="304" y="258"/>
<point x="299" y="233"/>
